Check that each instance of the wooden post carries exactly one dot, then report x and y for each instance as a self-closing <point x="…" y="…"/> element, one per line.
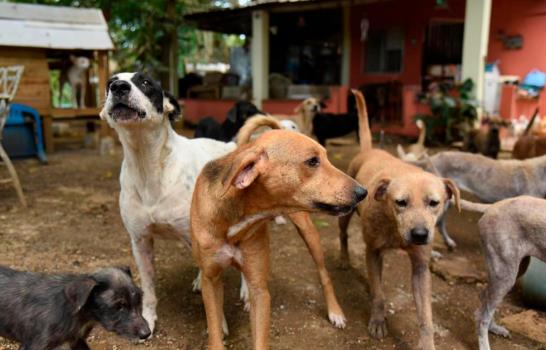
<point x="259" y="56"/>
<point x="476" y="36"/>
<point x="103" y="75"/>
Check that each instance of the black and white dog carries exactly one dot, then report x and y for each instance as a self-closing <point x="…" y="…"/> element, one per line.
<point x="328" y="125"/>
<point x="236" y="117"/>
<point x="44" y="312"/>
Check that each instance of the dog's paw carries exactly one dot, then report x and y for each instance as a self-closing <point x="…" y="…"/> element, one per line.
<point x="150" y="317"/>
<point x="450" y="243"/>
<point x="499" y="330"/>
<point x="338" y="320"/>
<point x="196" y="284"/>
<point x="280" y="220"/>
<point x="377" y="328"/>
<point x="436" y="255"/>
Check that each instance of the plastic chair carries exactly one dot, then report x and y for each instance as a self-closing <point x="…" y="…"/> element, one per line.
<point x="9" y="82"/>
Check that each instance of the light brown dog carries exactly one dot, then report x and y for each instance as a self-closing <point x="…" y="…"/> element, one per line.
<point x="281" y="172"/>
<point x="401" y="212"/>
<point x="305" y="112"/>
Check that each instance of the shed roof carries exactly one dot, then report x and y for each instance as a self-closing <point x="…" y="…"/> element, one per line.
<point x="53" y="27"/>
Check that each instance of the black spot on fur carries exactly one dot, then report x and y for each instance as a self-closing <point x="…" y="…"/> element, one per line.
<point x="150" y="88"/>
<point x="212" y="171"/>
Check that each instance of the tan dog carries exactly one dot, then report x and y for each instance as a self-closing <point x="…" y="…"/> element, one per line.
<point x="402" y="212"/>
<point x="305" y="113"/>
<point x="281" y="172"/>
<point x="416" y="150"/>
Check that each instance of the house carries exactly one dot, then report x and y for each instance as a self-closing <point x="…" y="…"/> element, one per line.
<point x="41" y="38"/>
<point x="392" y="49"/>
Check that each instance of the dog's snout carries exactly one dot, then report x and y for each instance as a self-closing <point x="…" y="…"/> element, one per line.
<point x="419" y="235"/>
<point x="120" y="88"/>
<point x="144" y="332"/>
<point x="360" y="193"/>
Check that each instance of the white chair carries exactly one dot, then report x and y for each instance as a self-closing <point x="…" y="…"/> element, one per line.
<point x="9" y="82"/>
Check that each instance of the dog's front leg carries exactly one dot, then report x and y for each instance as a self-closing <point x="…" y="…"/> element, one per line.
<point x="421" y="285"/>
<point x="255" y="267"/>
<point x="374" y="262"/>
<point x="443" y="230"/>
<point x="310" y="235"/>
<point x="143" y="251"/>
<point x="212" y="293"/>
<point x="83" y="89"/>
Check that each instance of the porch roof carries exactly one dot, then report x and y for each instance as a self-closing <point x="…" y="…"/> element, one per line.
<point x="237" y="20"/>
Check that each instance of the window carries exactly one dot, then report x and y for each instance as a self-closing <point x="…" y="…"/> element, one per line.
<point x="383" y="51"/>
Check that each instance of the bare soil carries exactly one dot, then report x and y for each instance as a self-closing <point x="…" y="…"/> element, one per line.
<point x="73" y="224"/>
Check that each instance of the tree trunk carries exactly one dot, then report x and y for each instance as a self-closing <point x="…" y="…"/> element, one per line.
<point x="169" y="57"/>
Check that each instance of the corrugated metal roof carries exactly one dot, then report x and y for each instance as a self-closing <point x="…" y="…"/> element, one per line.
<point x="53" y="27"/>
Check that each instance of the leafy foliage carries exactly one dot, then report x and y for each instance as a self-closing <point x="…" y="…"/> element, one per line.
<point x="453" y="109"/>
<point x="140" y="28"/>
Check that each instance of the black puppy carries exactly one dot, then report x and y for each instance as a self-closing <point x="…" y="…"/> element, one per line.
<point x="208" y="127"/>
<point x="43" y="312"/>
<point x="328" y="125"/>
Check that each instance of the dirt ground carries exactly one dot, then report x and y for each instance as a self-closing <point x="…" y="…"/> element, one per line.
<point x="73" y="224"/>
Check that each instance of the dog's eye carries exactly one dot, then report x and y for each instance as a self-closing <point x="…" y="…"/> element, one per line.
<point x="121" y="306"/>
<point x="402" y="203"/>
<point x="433" y="203"/>
<point x="313" y="162"/>
<point x="146" y="83"/>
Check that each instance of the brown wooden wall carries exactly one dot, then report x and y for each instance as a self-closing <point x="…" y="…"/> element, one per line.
<point x="34" y="86"/>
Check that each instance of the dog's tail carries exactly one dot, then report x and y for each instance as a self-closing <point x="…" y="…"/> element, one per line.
<point x="253" y="124"/>
<point x="531" y="123"/>
<point x="423" y="132"/>
<point x="364" y="131"/>
<point x="471" y="206"/>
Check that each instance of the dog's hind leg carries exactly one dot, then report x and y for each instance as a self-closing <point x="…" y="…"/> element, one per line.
<point x="310" y="235"/>
<point x="343" y="222"/>
<point x="501" y="279"/>
<point x="143" y="251"/>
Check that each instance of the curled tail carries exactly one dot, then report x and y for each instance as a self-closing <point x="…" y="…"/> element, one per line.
<point x="363" y="124"/>
<point x="253" y="124"/>
<point x="471" y="206"/>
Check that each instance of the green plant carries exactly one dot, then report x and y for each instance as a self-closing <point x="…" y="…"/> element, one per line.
<point x="452" y="109"/>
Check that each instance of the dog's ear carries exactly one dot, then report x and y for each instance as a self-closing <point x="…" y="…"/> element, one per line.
<point x="78" y="292"/>
<point x="126" y="270"/>
<point x="171" y="106"/>
<point x="245" y="169"/>
<point x="381" y="190"/>
<point x="453" y="191"/>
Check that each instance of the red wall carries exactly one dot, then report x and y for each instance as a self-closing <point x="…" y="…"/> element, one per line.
<point x="413" y="17"/>
<point x="527" y="18"/>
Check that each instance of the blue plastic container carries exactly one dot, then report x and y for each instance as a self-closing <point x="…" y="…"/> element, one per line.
<point x="23" y="133"/>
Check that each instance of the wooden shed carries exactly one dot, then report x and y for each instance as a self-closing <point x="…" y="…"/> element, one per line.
<point x="41" y="38"/>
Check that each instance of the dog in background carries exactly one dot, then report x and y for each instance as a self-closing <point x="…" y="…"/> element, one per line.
<point x="417" y="150"/>
<point x="401" y="212"/>
<point x="529" y="145"/>
<point x="511" y="231"/>
<point x="45" y="312"/>
<point x="281" y="172"/>
<point x="236" y="117"/>
<point x="76" y="76"/>
<point x="486" y="142"/>
<point x="304" y="114"/>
